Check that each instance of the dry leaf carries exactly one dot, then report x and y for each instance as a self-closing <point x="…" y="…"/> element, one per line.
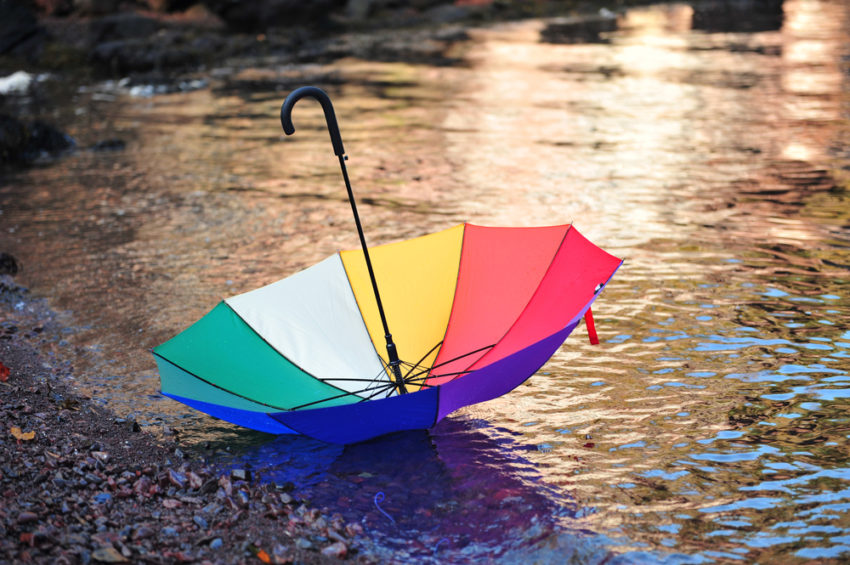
<point x="108" y="554"/>
<point x="259" y="553"/>
<point x="21" y="436"/>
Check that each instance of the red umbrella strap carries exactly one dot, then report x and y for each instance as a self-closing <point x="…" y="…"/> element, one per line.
<point x="591" y="327"/>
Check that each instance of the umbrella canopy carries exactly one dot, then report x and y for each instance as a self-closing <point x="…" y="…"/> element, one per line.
<point x="475" y="311"/>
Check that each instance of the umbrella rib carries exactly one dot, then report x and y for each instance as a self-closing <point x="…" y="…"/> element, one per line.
<point x="384" y="388"/>
<point x="417" y="375"/>
<point x="430" y="351"/>
<point x="356" y="392"/>
<point x="212" y="384"/>
<point x="464" y="355"/>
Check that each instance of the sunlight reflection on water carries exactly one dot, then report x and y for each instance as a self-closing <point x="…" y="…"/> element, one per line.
<point x="711" y="424"/>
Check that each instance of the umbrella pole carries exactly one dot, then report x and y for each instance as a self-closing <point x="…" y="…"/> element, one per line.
<point x="392" y="353"/>
<point x="339" y="151"/>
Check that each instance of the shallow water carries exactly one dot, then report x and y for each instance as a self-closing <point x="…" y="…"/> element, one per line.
<point x="707" y="147"/>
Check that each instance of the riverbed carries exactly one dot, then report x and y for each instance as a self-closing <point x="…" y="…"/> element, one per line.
<point x="706" y="146"/>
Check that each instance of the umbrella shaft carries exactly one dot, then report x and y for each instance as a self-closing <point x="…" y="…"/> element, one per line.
<point x="392" y="353"/>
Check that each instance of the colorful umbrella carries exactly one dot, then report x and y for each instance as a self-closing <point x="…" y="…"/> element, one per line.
<point x="475" y="311"/>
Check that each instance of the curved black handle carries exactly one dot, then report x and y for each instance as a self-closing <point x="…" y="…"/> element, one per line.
<point x="325" y="101"/>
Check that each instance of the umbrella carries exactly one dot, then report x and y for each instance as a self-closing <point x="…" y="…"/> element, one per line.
<point x="474" y="311"/>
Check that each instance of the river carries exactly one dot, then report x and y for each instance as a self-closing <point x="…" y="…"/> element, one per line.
<point x="707" y="146"/>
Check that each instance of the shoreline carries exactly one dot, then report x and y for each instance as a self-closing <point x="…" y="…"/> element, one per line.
<point x="79" y="484"/>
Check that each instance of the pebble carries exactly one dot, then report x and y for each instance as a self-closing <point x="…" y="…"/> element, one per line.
<point x="27" y="517"/>
<point x="90" y="489"/>
<point x="338" y="550"/>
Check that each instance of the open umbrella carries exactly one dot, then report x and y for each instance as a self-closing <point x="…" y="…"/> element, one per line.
<point x="474" y="312"/>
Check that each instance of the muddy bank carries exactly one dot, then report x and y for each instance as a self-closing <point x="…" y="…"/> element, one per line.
<point x="80" y="485"/>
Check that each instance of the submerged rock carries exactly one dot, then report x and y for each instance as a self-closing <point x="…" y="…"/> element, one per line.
<point x="26" y="142"/>
<point x="8" y="264"/>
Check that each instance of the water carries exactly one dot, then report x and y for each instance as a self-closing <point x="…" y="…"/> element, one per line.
<point x="706" y="146"/>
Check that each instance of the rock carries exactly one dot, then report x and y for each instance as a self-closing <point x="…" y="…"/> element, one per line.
<point x="281" y="554"/>
<point x="19" y="29"/>
<point x="95" y="7"/>
<point x="259" y="15"/>
<point x="122" y="26"/>
<point x="22" y="142"/>
<point x="18" y="82"/>
<point x="338" y="550"/>
<point x="216" y="543"/>
<point x="112" y="144"/>
<point x="27" y="517"/>
<point x="8" y="264"/>
<point x="176" y="478"/>
<point x="143" y="486"/>
<point x="143" y="532"/>
<point x="200" y="521"/>
<point x="195" y="481"/>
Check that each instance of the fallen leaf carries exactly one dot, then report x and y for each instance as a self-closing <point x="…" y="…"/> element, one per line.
<point x="21" y="436"/>
<point x="4" y="373"/>
<point x="28" y="538"/>
<point x="261" y="555"/>
<point x="108" y="554"/>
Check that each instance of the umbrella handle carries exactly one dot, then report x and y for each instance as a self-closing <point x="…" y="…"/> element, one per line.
<point x="325" y="101"/>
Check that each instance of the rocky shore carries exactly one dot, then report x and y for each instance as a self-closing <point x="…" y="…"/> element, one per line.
<point x="80" y="485"/>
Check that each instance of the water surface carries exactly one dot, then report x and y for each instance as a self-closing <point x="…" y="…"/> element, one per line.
<point x="706" y="146"/>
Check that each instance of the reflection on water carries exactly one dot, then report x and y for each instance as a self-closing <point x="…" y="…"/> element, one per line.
<point x="711" y="424"/>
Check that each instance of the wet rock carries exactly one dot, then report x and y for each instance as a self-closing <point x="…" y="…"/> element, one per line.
<point x="121" y="26"/>
<point x="112" y="144"/>
<point x="143" y="486"/>
<point x="27" y="517"/>
<point x="142" y="532"/>
<point x="281" y="554"/>
<point x="177" y="479"/>
<point x="19" y="29"/>
<point x="195" y="481"/>
<point x="338" y="550"/>
<point x="579" y="29"/>
<point x="8" y="264"/>
<point x="25" y="142"/>
<point x="258" y="15"/>
<point x="18" y="83"/>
